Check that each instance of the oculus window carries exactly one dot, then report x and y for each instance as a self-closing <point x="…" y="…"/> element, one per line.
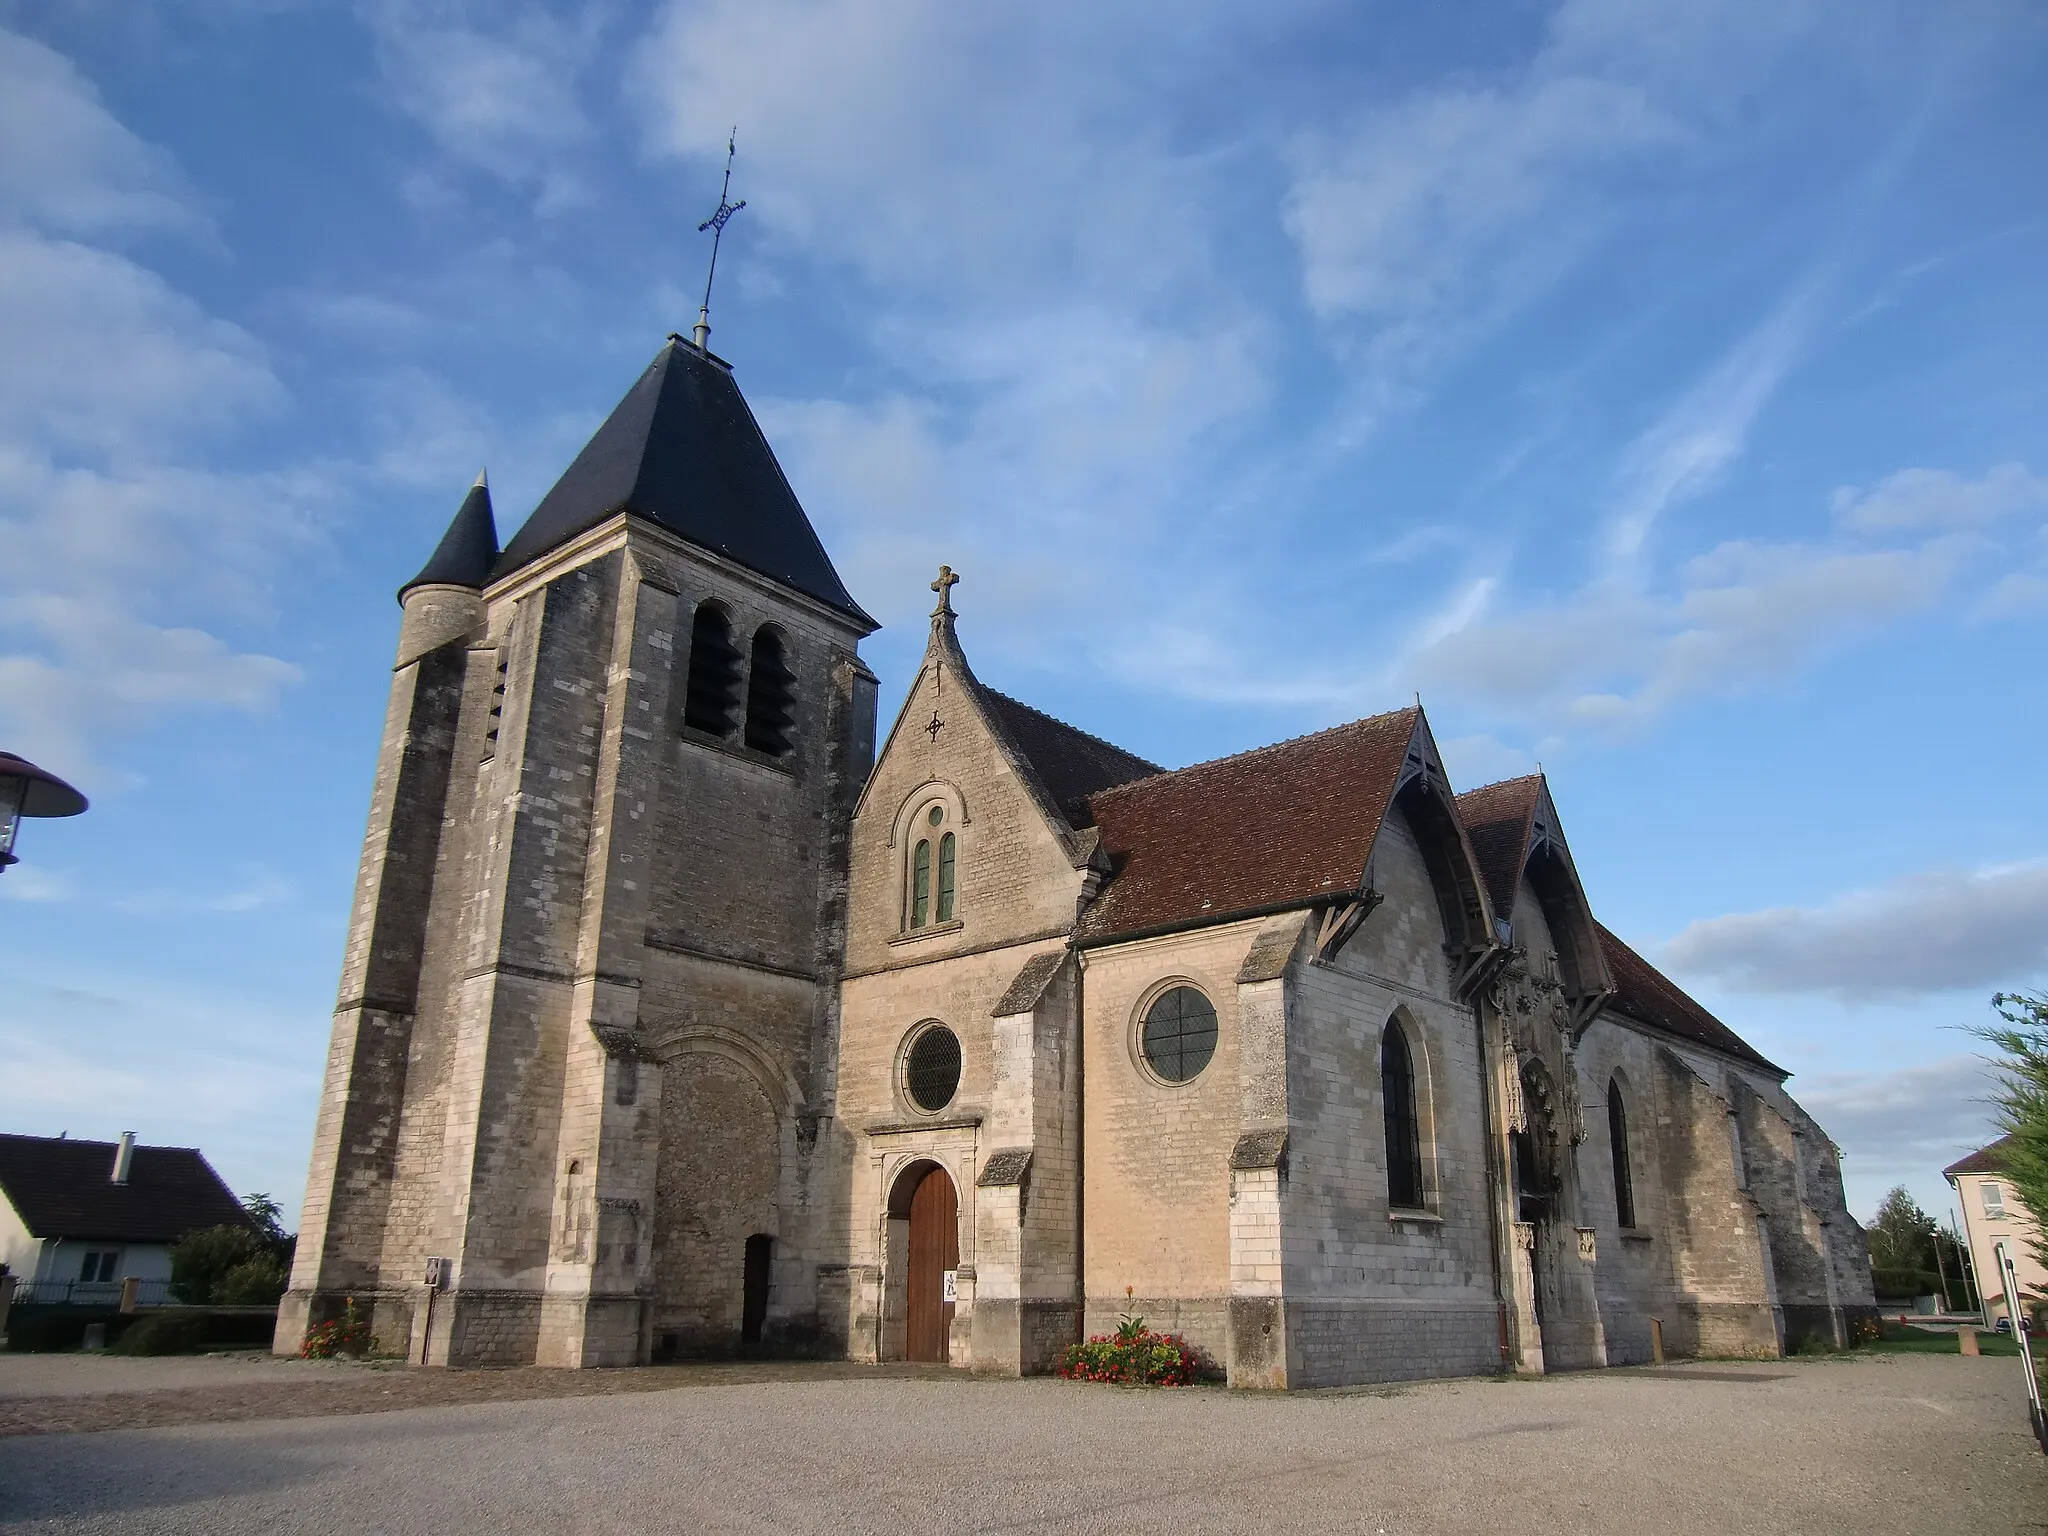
<point x="931" y="1068"/>
<point x="1179" y="1034"/>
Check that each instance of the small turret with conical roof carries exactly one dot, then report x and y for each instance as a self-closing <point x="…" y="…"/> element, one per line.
<point x="445" y="601"/>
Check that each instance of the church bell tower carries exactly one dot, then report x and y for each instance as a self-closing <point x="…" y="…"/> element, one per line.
<point x="579" y="1092"/>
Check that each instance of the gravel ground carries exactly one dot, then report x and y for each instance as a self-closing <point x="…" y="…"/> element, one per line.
<point x="1877" y="1445"/>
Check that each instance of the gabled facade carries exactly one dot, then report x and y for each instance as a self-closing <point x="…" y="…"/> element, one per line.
<point x="2001" y="1231"/>
<point x="676" y="1021"/>
<point x="79" y="1217"/>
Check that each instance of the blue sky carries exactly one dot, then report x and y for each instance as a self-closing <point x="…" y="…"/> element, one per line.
<point x="1655" y="386"/>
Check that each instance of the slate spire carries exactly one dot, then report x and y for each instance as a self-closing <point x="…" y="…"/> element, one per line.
<point x="683" y="451"/>
<point x="468" y="549"/>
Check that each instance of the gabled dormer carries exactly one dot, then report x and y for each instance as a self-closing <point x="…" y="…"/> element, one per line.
<point x="1534" y="885"/>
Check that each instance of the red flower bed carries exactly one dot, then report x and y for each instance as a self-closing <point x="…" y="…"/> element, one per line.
<point x="1133" y="1356"/>
<point x="348" y="1334"/>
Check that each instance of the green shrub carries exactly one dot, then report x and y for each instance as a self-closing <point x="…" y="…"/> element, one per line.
<point x="230" y="1266"/>
<point x="184" y="1333"/>
<point x="34" y="1330"/>
<point x="1905" y="1282"/>
<point x="174" y="1333"/>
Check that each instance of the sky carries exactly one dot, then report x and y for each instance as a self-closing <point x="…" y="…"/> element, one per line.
<point x="1656" y="387"/>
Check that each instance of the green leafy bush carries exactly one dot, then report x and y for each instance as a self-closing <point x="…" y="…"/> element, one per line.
<point x="244" y="1264"/>
<point x="34" y="1330"/>
<point x="1905" y="1282"/>
<point x="184" y="1333"/>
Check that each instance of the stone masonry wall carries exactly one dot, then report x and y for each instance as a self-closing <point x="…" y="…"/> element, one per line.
<point x="1156" y="1156"/>
<point x="1369" y="1296"/>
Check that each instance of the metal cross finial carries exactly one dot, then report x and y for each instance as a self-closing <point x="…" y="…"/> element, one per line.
<point x="716" y="224"/>
<point x="944" y="587"/>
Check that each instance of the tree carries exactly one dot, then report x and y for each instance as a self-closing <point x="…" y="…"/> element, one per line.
<point x="241" y="1264"/>
<point x="1901" y="1235"/>
<point x="267" y="1214"/>
<point x="2021" y="1040"/>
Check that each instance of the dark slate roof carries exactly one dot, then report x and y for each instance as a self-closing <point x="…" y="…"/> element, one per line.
<point x="64" y="1188"/>
<point x="1281" y="824"/>
<point x="1650" y="997"/>
<point x="1496" y="818"/>
<point x="468" y="549"/>
<point x="1989" y="1159"/>
<point x="1071" y="765"/>
<point x="684" y="451"/>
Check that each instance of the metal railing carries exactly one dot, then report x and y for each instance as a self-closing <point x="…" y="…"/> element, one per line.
<point x="90" y="1293"/>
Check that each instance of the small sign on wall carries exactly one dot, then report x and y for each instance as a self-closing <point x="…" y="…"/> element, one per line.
<point x="1586" y="1249"/>
<point x="952" y="1291"/>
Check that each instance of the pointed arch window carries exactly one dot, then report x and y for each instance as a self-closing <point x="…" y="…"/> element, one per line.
<point x="771" y="694"/>
<point x="949" y="875"/>
<point x="1403" y="1124"/>
<point x="1617" y="1142"/>
<point x="712" y="694"/>
<point x="932" y="880"/>
<point x="921" y="884"/>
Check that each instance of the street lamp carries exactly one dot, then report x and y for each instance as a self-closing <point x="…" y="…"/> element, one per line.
<point x="26" y="790"/>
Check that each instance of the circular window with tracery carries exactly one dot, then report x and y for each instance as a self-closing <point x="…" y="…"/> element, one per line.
<point x="931" y="1068"/>
<point x="1179" y="1034"/>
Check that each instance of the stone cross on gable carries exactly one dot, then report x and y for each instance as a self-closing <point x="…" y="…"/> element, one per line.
<point x="944" y="586"/>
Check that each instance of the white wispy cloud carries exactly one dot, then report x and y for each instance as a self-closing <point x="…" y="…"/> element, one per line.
<point x="1627" y="647"/>
<point x="1706" y="431"/>
<point x="1939" y="499"/>
<point x="496" y="87"/>
<point x="67" y="165"/>
<point x="1902" y="1126"/>
<point x="112" y="385"/>
<point x="1938" y="930"/>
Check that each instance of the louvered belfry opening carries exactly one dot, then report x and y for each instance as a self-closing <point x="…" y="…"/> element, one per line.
<point x="712" y="699"/>
<point x="771" y="695"/>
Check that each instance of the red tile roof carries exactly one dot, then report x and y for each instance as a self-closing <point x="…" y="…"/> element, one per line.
<point x="65" y="1188"/>
<point x="1279" y="824"/>
<point x="1071" y="764"/>
<point x="1496" y="818"/>
<point x="1650" y="997"/>
<point x="1989" y="1159"/>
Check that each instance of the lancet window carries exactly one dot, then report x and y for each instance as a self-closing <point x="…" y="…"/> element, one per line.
<point x="1403" y="1123"/>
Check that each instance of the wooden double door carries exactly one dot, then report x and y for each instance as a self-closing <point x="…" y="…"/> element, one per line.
<point x="934" y="1256"/>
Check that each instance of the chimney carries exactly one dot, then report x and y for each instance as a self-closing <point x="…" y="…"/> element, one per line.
<point x="124" y="1154"/>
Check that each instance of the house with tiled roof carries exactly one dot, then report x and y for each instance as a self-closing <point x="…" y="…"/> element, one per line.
<point x="1999" y="1230"/>
<point x="79" y="1217"/>
<point x="677" y="1016"/>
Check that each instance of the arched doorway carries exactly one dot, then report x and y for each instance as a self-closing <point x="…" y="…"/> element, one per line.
<point x="925" y="1200"/>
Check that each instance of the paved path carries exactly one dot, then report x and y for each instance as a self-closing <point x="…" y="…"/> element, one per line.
<point x="1907" y="1444"/>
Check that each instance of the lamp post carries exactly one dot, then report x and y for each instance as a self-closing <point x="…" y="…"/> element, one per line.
<point x="26" y="790"/>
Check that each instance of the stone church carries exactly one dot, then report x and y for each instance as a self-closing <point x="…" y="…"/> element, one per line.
<point x="677" y="1019"/>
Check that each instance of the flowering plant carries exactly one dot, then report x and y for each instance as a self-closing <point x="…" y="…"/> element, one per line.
<point x="1133" y="1356"/>
<point x="348" y="1334"/>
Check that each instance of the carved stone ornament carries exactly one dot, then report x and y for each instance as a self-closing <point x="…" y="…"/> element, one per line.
<point x="1511" y="1062"/>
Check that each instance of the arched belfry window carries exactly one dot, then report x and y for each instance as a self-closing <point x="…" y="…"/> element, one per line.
<point x="1404" y="1127"/>
<point x="771" y="695"/>
<point x="934" y="875"/>
<point x="711" y="697"/>
<point x="1617" y="1141"/>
